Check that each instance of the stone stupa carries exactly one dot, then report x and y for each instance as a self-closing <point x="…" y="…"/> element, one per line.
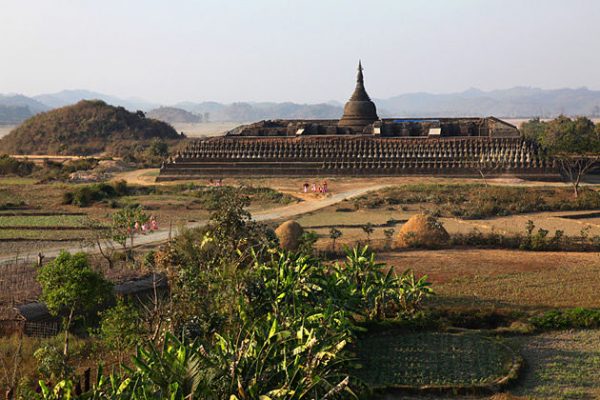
<point x="359" y="111"/>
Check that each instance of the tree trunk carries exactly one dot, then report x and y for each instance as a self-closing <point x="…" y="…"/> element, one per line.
<point x="483" y="177"/>
<point x="67" y="327"/>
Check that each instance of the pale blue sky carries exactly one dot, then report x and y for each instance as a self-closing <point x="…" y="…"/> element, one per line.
<point x="303" y="50"/>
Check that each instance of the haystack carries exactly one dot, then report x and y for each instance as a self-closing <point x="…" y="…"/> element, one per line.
<point x="289" y="234"/>
<point x="422" y="230"/>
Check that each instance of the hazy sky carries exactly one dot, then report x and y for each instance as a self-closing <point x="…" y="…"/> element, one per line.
<point x="303" y="50"/>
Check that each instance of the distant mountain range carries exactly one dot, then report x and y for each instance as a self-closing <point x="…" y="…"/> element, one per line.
<point x="518" y="102"/>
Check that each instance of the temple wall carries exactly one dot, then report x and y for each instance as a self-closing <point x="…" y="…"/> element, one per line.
<point x="357" y="156"/>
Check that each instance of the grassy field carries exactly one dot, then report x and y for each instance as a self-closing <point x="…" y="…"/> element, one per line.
<point x="506" y="280"/>
<point x="400" y="359"/>
<point x="561" y="365"/>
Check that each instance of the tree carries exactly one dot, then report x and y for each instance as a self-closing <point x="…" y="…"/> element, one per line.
<point x="70" y="287"/>
<point x="334" y="234"/>
<point x="120" y="328"/>
<point x="123" y="225"/>
<point x="533" y="129"/>
<point x="574" y="144"/>
<point x="389" y="235"/>
<point x="158" y="148"/>
<point x="368" y="229"/>
<point x="206" y="117"/>
<point x="101" y="237"/>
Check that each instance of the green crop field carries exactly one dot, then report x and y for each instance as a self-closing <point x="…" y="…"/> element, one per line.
<point x="399" y="359"/>
<point x="43" y="220"/>
<point x="21" y="234"/>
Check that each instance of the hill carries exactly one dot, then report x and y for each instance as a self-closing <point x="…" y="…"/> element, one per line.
<point x="66" y="97"/>
<point x="16" y="108"/>
<point x="86" y="128"/>
<point x="10" y="115"/>
<point x="244" y="112"/>
<point x="173" y="115"/>
<point x="516" y="102"/>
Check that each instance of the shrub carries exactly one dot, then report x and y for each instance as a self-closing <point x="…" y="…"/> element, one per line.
<point x="12" y="166"/>
<point x="573" y="318"/>
<point x="84" y="196"/>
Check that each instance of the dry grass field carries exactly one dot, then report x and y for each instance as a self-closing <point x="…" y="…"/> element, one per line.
<point x="205" y="129"/>
<point x="510" y="280"/>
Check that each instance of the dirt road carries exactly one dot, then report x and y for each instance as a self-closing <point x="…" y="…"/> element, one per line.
<point x="285" y="212"/>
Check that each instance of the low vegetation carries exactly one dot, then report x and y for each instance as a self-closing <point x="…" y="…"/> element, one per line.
<point x="571" y="318"/>
<point x="432" y="359"/>
<point x="86" y="195"/>
<point x="573" y="144"/>
<point x="244" y="320"/>
<point x="480" y="201"/>
<point x="46" y="171"/>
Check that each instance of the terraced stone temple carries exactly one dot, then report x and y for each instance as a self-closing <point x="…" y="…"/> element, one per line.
<point x="360" y="144"/>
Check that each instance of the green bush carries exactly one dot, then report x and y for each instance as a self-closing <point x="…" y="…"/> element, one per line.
<point x="573" y="318"/>
<point x="84" y="196"/>
<point x="12" y="166"/>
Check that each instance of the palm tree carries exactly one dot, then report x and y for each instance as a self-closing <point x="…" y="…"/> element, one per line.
<point x="368" y="229"/>
<point x="334" y="234"/>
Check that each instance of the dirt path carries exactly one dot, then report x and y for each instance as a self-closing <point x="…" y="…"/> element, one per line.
<point x="143" y="177"/>
<point x="162" y="235"/>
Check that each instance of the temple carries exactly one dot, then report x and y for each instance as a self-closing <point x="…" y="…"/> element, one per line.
<point x="361" y="143"/>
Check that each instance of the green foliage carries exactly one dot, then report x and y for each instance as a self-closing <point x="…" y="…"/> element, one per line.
<point x="70" y="287"/>
<point x="256" y="323"/>
<point x="393" y="359"/>
<point x="533" y="129"/>
<point x="307" y="242"/>
<point x="574" y="144"/>
<point x="123" y="224"/>
<point x="121" y="328"/>
<point x="69" y="284"/>
<point x="158" y="148"/>
<point x="52" y="363"/>
<point x="566" y="136"/>
<point x="573" y="318"/>
<point x="379" y="293"/>
<point x="84" y="196"/>
<point x="12" y="166"/>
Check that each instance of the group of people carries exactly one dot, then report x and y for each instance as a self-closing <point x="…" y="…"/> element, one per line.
<point x="150" y="225"/>
<point x="315" y="188"/>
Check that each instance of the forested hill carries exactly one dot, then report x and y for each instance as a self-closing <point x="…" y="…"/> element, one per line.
<point x="174" y="115"/>
<point x="88" y="127"/>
